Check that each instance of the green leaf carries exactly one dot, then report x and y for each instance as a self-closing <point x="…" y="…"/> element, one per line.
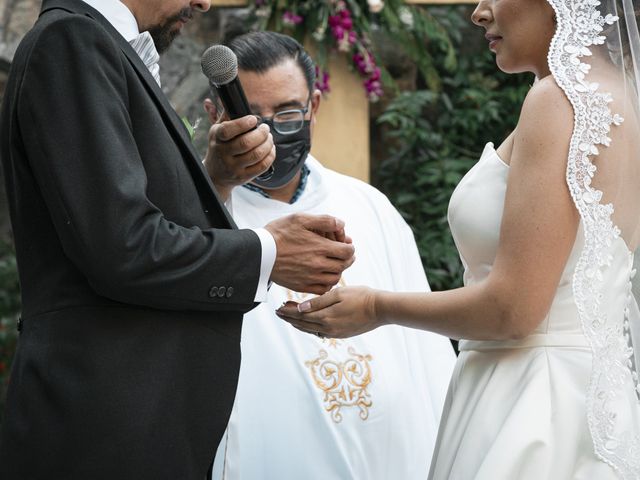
<point x="189" y="127"/>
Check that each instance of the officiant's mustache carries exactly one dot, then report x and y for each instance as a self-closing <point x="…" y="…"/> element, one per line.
<point x="164" y="34"/>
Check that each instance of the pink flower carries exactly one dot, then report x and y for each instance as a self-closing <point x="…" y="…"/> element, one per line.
<point x="366" y="65"/>
<point x="334" y="20"/>
<point x="291" y="18"/>
<point x="342" y="28"/>
<point x="373" y="89"/>
<point x="322" y="80"/>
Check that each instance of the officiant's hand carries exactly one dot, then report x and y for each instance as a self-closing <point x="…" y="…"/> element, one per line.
<point x="312" y="252"/>
<point x="340" y="313"/>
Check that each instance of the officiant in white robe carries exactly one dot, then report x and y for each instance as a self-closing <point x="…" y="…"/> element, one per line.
<point x="307" y="407"/>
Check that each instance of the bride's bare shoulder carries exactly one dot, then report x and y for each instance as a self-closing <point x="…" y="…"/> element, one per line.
<point x="547" y="100"/>
<point x="546" y="115"/>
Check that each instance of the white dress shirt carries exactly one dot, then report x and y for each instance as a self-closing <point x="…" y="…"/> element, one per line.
<point x="118" y="15"/>
<point x="122" y="19"/>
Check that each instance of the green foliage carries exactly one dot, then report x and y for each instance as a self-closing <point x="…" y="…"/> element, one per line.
<point x="436" y="137"/>
<point x="9" y="312"/>
<point x="412" y="37"/>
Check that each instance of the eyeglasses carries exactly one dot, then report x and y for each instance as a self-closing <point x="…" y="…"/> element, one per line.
<point x="287" y="122"/>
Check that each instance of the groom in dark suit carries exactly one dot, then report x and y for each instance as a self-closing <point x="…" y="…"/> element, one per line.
<point x="134" y="277"/>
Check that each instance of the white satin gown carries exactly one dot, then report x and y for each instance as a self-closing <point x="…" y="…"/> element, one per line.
<point x="516" y="409"/>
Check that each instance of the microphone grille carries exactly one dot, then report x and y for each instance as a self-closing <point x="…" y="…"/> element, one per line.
<point x="219" y="64"/>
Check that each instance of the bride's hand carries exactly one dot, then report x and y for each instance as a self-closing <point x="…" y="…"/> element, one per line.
<point x="340" y="313"/>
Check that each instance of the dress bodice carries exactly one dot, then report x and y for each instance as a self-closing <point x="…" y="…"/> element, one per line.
<point x="475" y="215"/>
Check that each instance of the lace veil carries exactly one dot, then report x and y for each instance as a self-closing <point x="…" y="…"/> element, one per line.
<point x="595" y="58"/>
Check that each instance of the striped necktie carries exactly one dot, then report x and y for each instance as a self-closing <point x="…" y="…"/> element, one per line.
<point x="146" y="50"/>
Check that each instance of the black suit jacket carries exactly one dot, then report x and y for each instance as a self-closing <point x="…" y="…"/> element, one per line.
<point x="134" y="277"/>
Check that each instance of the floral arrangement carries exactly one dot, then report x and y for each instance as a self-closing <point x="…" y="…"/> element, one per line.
<point x="346" y="26"/>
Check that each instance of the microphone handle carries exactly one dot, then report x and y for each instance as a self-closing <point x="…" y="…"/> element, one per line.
<point x="233" y="98"/>
<point x="236" y="104"/>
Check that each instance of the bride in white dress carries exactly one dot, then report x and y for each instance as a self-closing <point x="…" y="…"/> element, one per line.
<point x="546" y="384"/>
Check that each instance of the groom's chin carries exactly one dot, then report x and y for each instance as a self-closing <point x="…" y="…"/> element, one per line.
<point x="164" y="36"/>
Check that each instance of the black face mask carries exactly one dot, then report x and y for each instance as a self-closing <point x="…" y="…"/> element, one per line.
<point x="291" y="152"/>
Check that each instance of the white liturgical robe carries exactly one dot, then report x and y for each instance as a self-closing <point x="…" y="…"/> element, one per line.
<point x="364" y="408"/>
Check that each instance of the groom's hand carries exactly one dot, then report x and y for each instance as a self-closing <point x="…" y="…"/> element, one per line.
<point x="238" y="152"/>
<point x="312" y="252"/>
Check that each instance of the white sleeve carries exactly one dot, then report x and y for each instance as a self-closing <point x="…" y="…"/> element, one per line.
<point x="229" y="204"/>
<point x="268" y="259"/>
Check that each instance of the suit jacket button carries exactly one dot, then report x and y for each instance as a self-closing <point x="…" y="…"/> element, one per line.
<point x="221" y="291"/>
<point x="213" y="292"/>
<point x="229" y="292"/>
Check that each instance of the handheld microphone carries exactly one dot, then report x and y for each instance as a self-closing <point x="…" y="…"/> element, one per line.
<point x="220" y="66"/>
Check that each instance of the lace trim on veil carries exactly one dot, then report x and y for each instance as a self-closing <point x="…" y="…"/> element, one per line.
<point x="580" y="25"/>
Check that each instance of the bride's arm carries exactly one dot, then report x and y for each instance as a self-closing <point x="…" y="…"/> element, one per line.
<point x="538" y="230"/>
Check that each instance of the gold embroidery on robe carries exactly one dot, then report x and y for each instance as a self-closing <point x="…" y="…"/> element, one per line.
<point x="344" y="383"/>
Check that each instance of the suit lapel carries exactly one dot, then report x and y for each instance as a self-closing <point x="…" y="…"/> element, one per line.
<point x="173" y="122"/>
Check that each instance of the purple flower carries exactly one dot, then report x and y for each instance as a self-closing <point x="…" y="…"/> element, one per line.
<point x="366" y="65"/>
<point x="373" y="89"/>
<point x="291" y="18"/>
<point x="334" y="20"/>
<point x="322" y="80"/>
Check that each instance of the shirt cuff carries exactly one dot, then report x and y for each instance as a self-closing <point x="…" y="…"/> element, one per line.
<point x="267" y="261"/>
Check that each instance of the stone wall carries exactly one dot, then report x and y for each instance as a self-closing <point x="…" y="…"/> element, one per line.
<point x="16" y="17"/>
